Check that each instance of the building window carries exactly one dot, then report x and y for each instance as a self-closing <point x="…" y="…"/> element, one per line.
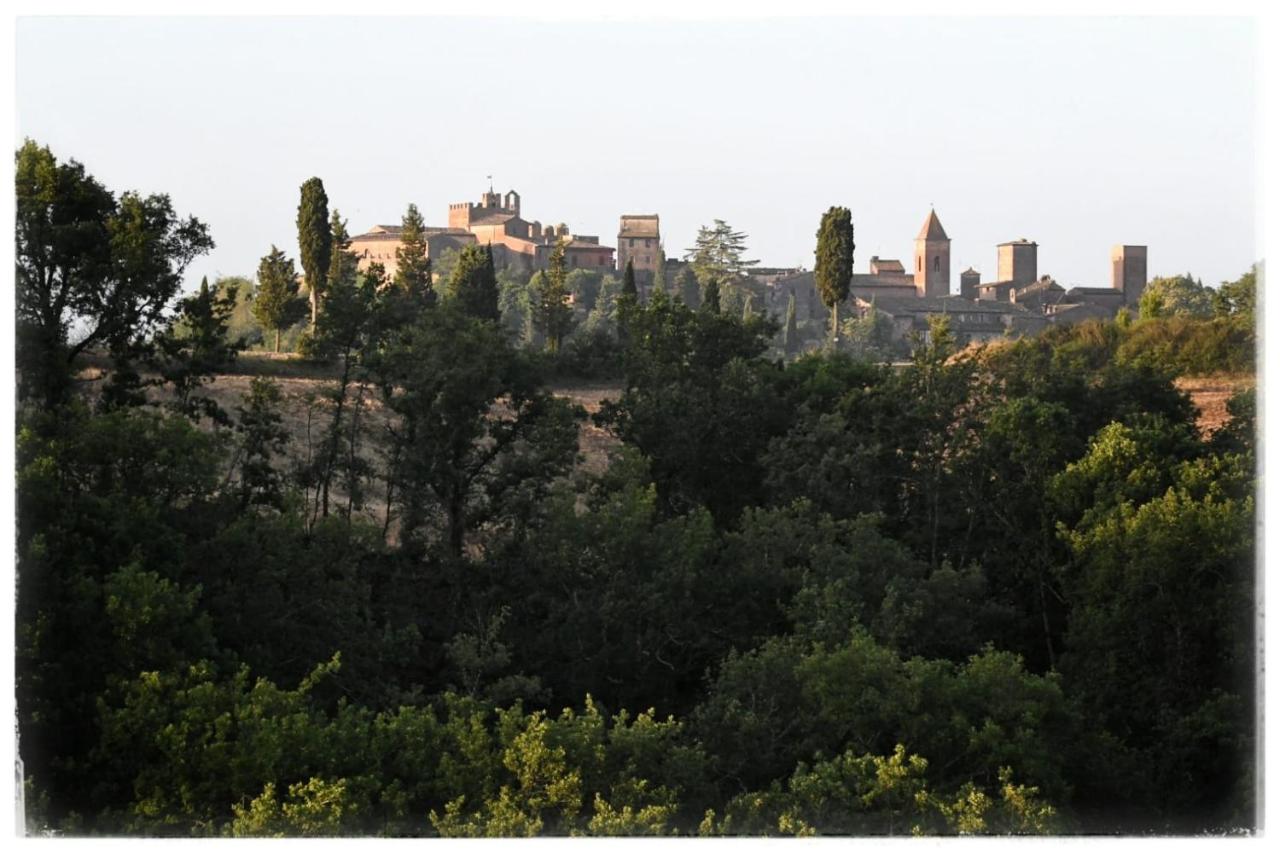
<point x="936" y="262"/>
<point x="648" y="243"/>
<point x="919" y="264"/>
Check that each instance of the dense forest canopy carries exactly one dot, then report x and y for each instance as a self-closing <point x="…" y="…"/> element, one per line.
<point x="1008" y="589"/>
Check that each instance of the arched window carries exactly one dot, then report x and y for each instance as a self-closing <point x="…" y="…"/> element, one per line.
<point x="919" y="263"/>
<point x="936" y="262"/>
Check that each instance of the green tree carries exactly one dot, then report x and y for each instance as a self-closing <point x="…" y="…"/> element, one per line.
<point x="92" y="271"/>
<point x="315" y="241"/>
<point x="552" y="315"/>
<point x="629" y="281"/>
<point x="1238" y="298"/>
<point x="275" y="303"/>
<point x="195" y="348"/>
<point x="474" y="284"/>
<point x="718" y="252"/>
<point x="1175" y="296"/>
<point x="413" y="267"/>
<point x="790" y="334"/>
<point x="687" y="287"/>
<point x="660" y="272"/>
<point x="461" y="463"/>
<point x="833" y="267"/>
<point x="710" y="301"/>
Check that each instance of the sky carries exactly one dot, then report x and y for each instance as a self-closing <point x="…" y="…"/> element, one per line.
<point x="1078" y="133"/>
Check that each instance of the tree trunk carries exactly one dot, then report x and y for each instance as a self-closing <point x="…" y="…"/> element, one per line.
<point x="277" y="341"/>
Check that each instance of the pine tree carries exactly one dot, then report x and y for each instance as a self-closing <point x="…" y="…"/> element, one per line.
<point x="474" y="283"/>
<point x="343" y="264"/>
<point x="718" y="251"/>
<point x="275" y="302"/>
<point x="315" y="241"/>
<point x="834" y="267"/>
<point x="413" y="267"/>
<point x="552" y="314"/>
<point x="789" y="331"/>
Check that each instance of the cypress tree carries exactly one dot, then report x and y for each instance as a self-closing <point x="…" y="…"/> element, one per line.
<point x="748" y="307"/>
<point x="834" y="267"/>
<point x="629" y="281"/>
<point x="660" y="272"/>
<point x="687" y="287"/>
<point x="277" y="292"/>
<point x="627" y="301"/>
<point x="711" y="296"/>
<point x="315" y="241"/>
<point x="789" y="330"/>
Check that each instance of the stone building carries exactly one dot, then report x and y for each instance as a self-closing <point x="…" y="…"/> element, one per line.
<point x="885" y="277"/>
<point x="1016" y="283"/>
<point x="639" y="241"/>
<point x="496" y="222"/>
<point x="972" y="321"/>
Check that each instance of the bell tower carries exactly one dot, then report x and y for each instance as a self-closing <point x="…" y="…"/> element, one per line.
<point x="933" y="259"/>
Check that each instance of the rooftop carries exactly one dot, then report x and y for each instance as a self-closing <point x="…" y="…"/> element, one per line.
<point x="932" y="228"/>
<point x="638" y="225"/>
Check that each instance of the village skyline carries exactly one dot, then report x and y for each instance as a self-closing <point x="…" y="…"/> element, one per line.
<point x="1098" y="139"/>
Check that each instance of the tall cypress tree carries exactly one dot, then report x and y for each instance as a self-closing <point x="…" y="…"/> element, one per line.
<point x="687" y="287"/>
<point x="660" y="272"/>
<point x="315" y="241"/>
<point x="834" y="267"/>
<point x="711" y="296"/>
<point x="627" y="301"/>
<point x="629" y="281"/>
<point x="413" y="267"/>
<point x="789" y="331"/>
<point x="277" y="292"/>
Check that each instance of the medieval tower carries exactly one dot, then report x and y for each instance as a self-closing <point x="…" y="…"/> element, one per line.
<point x="933" y="259"/>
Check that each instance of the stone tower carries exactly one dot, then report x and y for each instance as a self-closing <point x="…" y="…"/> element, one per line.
<point x="969" y="281"/>
<point x="1016" y="261"/>
<point x="1129" y="271"/>
<point x="933" y="259"/>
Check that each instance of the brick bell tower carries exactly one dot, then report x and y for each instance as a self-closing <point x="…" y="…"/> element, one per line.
<point x="933" y="259"/>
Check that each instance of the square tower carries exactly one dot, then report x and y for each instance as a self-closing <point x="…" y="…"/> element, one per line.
<point x="639" y="241"/>
<point x="1129" y="271"/>
<point x="1016" y="261"/>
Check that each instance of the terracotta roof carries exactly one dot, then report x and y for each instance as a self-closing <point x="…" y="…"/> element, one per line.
<point x="580" y="244"/>
<point x="932" y="228"/>
<point x="494" y="219"/>
<point x="392" y="232"/>
<point x="638" y="225"/>
<point x="887" y="264"/>
<point x="901" y="305"/>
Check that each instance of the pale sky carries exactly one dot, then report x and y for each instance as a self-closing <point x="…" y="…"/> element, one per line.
<point x="1077" y="133"/>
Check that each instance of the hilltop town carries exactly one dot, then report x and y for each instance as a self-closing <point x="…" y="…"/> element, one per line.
<point x="1019" y="300"/>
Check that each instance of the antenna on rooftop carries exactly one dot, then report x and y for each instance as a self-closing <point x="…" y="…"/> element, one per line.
<point x="490" y="177"/>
